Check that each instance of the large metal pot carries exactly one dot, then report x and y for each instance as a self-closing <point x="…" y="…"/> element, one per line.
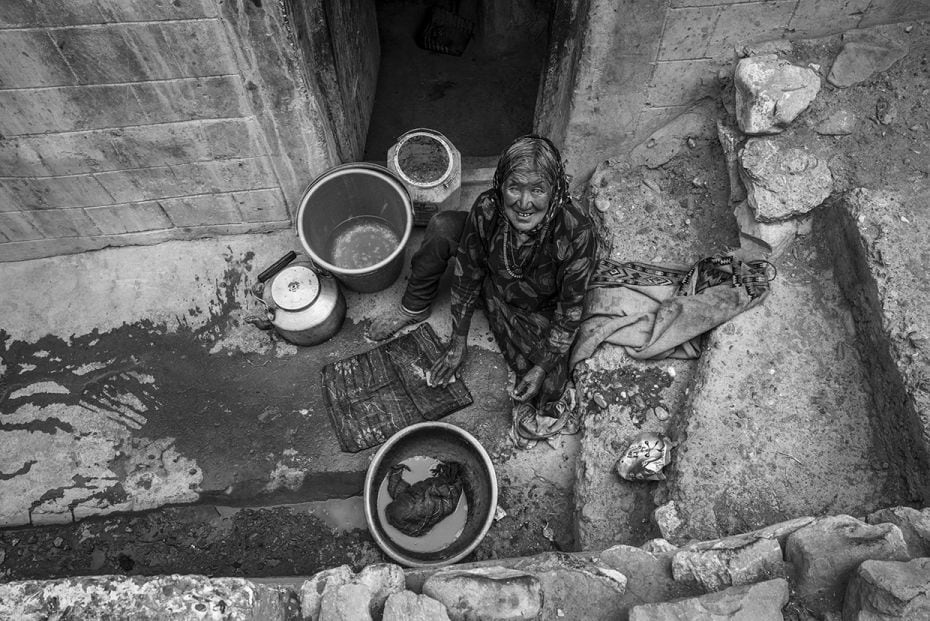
<point x="443" y="442"/>
<point x="355" y="193"/>
<point x="304" y="304"/>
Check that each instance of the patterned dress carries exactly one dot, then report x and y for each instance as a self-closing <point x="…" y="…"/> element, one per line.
<point x="534" y="308"/>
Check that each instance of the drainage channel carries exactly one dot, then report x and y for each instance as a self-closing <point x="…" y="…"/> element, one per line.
<point x="280" y="540"/>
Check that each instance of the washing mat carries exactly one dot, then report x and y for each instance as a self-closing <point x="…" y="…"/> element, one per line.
<point x="373" y="395"/>
<point x="661" y="311"/>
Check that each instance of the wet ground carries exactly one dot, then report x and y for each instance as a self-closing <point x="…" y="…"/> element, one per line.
<point x="136" y="383"/>
<point x="142" y="387"/>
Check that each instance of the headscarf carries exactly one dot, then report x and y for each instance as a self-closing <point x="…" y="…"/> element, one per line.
<point x="537" y="154"/>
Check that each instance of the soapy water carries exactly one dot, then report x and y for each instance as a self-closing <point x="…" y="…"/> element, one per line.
<point x="361" y="242"/>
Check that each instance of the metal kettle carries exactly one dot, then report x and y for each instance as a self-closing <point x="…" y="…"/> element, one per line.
<point x="303" y="303"/>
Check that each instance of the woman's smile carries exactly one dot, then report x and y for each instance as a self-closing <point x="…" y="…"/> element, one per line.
<point x="526" y="200"/>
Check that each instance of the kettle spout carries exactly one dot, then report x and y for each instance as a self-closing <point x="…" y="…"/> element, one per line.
<point x="262" y="323"/>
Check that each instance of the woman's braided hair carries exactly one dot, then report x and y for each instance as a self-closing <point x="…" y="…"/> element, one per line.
<point x="533" y="153"/>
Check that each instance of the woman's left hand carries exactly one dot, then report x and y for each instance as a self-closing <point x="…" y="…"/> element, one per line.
<point x="529" y="386"/>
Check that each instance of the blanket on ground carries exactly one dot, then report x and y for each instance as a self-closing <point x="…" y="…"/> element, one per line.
<point x="661" y="311"/>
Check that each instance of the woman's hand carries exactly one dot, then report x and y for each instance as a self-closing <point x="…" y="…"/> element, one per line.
<point x="529" y="386"/>
<point x="443" y="370"/>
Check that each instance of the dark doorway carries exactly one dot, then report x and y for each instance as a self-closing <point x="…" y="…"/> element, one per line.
<point x="480" y="100"/>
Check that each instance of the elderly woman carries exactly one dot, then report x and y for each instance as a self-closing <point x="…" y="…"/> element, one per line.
<point x="527" y="251"/>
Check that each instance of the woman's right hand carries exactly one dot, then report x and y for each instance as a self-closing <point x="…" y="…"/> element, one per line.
<point x="443" y="370"/>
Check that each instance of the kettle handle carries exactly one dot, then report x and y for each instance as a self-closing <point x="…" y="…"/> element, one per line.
<point x="277" y="266"/>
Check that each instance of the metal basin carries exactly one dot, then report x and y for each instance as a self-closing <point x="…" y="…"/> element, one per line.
<point x="443" y="442"/>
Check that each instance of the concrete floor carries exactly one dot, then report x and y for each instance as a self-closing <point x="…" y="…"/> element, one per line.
<point x="131" y="382"/>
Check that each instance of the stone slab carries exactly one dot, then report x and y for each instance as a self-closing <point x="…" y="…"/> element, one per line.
<point x="584" y="585"/>
<point x="880" y="242"/>
<point x="767" y="384"/>
<point x="649" y="221"/>
<point x="754" y="602"/>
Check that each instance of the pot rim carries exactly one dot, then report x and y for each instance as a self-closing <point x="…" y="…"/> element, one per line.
<point x="429" y="133"/>
<point x="386" y="545"/>
<point x="368" y="169"/>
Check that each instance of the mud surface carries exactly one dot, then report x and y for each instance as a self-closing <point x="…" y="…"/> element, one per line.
<point x="238" y="409"/>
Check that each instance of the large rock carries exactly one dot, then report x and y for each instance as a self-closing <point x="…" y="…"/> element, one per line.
<point x="489" y="594"/>
<point x="649" y="575"/>
<point x="408" y="606"/>
<point x="311" y="591"/>
<point x="381" y="580"/>
<point x="914" y="525"/>
<point x="763" y="238"/>
<point x="782" y="182"/>
<point x="771" y="92"/>
<point x="588" y="586"/>
<point x="864" y="53"/>
<point x="889" y="590"/>
<point x="143" y="598"/>
<point x="755" y="602"/>
<point x="824" y="555"/>
<point x="733" y="561"/>
<point x="346" y="602"/>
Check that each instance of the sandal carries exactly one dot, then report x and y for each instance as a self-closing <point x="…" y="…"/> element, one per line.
<point x="388" y="325"/>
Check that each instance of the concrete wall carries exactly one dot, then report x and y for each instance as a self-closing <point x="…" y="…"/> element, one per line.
<point x="644" y="62"/>
<point x="136" y="121"/>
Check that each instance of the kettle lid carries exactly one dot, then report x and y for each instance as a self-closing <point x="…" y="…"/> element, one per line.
<point x="295" y="287"/>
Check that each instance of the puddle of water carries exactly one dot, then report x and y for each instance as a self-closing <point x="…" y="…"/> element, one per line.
<point x="444" y="533"/>
<point x="342" y="514"/>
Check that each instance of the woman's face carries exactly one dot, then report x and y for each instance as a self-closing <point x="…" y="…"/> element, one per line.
<point x="526" y="199"/>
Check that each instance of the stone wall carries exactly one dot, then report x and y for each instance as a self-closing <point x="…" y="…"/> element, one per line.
<point x="129" y="122"/>
<point x="804" y="568"/>
<point x="644" y="63"/>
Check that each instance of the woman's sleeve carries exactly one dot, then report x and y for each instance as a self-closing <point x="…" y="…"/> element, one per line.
<point x="573" y="274"/>
<point x="469" y="268"/>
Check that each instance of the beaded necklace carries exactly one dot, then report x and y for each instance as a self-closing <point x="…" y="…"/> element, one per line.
<point x="515" y="269"/>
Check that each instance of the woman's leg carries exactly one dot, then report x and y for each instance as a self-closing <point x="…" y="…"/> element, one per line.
<point x="429" y="262"/>
<point x="440" y="242"/>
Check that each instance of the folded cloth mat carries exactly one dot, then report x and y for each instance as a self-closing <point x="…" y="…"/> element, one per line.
<point x="415" y="509"/>
<point x="661" y="311"/>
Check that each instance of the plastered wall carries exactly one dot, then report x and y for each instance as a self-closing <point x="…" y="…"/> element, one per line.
<point x="641" y="63"/>
<point x="137" y="121"/>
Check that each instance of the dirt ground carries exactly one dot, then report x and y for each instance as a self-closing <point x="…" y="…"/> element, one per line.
<point x="887" y="148"/>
